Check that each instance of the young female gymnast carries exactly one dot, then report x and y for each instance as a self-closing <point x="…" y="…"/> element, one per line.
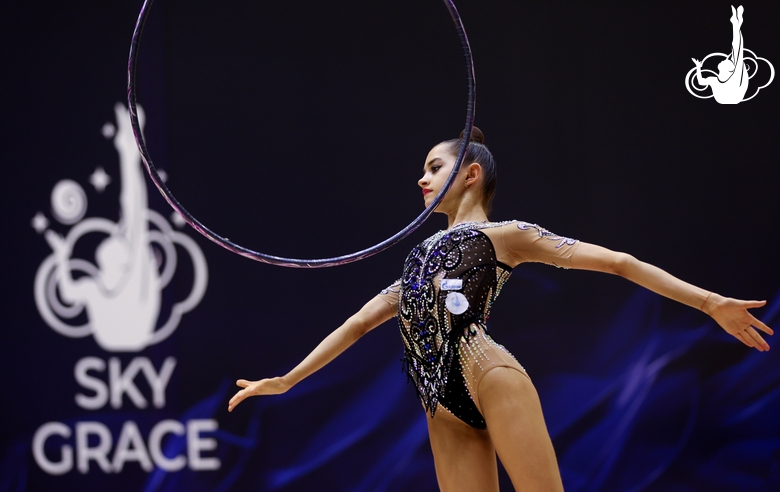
<point x="478" y="398"/>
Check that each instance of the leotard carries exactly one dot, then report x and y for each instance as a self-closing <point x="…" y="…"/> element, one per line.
<point x="444" y="297"/>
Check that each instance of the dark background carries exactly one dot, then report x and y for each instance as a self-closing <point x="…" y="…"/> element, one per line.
<point x="300" y="129"/>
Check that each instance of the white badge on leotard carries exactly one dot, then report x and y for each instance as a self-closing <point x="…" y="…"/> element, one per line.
<point x="451" y="283"/>
<point x="456" y="303"/>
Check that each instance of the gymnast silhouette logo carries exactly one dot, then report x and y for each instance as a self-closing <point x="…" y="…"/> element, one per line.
<point x="730" y="84"/>
<point x="119" y="299"/>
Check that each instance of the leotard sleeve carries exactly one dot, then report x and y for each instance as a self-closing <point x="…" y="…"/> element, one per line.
<point x="524" y="242"/>
<point x="390" y="294"/>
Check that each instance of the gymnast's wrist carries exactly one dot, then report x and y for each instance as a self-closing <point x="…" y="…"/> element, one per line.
<point x="286" y="381"/>
<point x="710" y="302"/>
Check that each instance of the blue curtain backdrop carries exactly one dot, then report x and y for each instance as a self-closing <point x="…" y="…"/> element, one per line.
<point x="300" y="128"/>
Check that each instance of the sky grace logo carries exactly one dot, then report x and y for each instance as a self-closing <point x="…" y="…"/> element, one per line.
<point x="118" y="300"/>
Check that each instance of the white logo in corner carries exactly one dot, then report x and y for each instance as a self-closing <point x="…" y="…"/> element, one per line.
<point x="730" y="84"/>
<point x="119" y="299"/>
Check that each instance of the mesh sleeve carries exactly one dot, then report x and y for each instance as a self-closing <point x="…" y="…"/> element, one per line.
<point x="390" y="294"/>
<point x="531" y="242"/>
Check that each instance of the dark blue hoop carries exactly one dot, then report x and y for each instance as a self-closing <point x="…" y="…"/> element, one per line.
<point x="278" y="260"/>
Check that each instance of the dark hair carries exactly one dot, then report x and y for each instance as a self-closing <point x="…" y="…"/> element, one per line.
<point x="477" y="152"/>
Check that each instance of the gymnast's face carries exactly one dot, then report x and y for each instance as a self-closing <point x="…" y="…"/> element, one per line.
<point x="438" y="166"/>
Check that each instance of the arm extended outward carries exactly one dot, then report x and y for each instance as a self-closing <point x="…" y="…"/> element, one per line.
<point x="730" y="314"/>
<point x="699" y="78"/>
<point x="372" y="314"/>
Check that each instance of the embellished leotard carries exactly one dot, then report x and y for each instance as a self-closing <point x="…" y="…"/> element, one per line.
<point x="444" y="296"/>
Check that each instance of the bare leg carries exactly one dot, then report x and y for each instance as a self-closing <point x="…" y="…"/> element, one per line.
<point x="736" y="35"/>
<point x="738" y="44"/>
<point x="513" y="413"/>
<point x="464" y="456"/>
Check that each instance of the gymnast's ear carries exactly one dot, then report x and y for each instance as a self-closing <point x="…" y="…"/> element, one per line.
<point x="473" y="172"/>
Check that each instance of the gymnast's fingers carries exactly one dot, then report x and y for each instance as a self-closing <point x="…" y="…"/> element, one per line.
<point x="243" y="383"/>
<point x="761" y="326"/>
<point x="237" y="398"/>
<point x="754" y="304"/>
<point x="747" y="339"/>
<point x="739" y="337"/>
<point x="758" y="341"/>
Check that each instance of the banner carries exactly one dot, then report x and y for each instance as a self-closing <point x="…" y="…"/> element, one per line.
<point x="300" y="129"/>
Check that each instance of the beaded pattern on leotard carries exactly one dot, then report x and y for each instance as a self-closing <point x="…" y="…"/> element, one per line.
<point x="472" y="353"/>
<point x="432" y="334"/>
<point x="524" y="226"/>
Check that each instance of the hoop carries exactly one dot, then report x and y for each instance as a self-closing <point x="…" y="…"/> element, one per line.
<point x="132" y="63"/>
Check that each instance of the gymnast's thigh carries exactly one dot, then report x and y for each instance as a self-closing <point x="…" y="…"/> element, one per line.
<point x="464" y="457"/>
<point x="513" y="413"/>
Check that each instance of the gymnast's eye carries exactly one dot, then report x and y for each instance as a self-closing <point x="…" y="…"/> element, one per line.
<point x="435" y="167"/>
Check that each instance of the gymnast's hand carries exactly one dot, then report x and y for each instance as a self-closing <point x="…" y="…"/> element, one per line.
<point x="733" y="316"/>
<point x="272" y="386"/>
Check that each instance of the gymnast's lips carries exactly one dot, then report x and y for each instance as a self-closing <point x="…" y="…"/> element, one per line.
<point x="425" y="191"/>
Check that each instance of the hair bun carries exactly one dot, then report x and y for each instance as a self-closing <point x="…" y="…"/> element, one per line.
<point x="476" y="135"/>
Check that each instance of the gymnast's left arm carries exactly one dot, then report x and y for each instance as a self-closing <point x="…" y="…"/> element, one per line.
<point x="731" y="314"/>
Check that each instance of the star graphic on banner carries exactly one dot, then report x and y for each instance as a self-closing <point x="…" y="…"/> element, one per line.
<point x="99" y="179"/>
<point x="39" y="222"/>
<point x="178" y="220"/>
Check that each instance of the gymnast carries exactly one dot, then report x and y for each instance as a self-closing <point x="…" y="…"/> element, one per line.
<point x="478" y="399"/>
<point x="731" y="84"/>
<point x="123" y="298"/>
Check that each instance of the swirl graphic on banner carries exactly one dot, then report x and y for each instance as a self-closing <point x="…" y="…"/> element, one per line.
<point x="68" y="201"/>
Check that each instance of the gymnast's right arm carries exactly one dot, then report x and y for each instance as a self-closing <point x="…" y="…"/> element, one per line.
<point x="701" y="80"/>
<point x="372" y="314"/>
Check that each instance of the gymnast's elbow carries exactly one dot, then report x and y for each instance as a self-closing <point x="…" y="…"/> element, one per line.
<point x="622" y="264"/>
<point x="359" y="324"/>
